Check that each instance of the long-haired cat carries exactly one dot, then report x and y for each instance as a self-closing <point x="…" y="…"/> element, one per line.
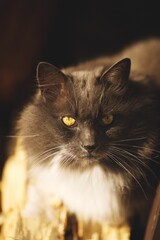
<point x="94" y="137"/>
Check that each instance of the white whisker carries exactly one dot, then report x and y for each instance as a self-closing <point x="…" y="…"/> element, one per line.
<point x="142" y="147"/>
<point x="130" y="139"/>
<point x="45" y="152"/>
<point x="137" y="160"/>
<point x="22" y="136"/>
<point x="116" y="160"/>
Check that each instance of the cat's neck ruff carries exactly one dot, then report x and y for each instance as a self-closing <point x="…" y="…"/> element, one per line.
<point x="90" y="194"/>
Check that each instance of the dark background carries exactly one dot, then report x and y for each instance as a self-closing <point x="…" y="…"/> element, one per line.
<point x="62" y="33"/>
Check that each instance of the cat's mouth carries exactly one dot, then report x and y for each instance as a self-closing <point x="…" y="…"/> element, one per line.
<point x="89" y="157"/>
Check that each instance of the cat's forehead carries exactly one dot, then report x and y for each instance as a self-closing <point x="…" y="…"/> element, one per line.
<point x="87" y="74"/>
<point x="86" y="80"/>
<point x="87" y="91"/>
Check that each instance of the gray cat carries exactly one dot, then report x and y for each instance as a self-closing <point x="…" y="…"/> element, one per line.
<point x="94" y="137"/>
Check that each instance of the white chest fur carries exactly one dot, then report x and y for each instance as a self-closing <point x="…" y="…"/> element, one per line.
<point x="90" y="194"/>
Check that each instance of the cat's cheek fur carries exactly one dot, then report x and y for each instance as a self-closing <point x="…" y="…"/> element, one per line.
<point x="90" y="194"/>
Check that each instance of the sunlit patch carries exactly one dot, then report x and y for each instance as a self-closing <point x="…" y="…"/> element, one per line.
<point x="68" y="121"/>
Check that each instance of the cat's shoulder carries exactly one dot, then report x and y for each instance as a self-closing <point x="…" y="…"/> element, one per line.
<point x="144" y="55"/>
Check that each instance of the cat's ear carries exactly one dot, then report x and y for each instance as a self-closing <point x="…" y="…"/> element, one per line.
<point x="117" y="73"/>
<point x="51" y="80"/>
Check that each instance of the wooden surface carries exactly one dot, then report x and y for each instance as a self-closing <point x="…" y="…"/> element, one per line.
<point x="153" y="228"/>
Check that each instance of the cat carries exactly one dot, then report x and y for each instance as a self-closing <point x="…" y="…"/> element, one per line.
<point x="94" y="137"/>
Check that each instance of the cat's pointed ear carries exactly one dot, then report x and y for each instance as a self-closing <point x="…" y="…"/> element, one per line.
<point x="117" y="73"/>
<point x="51" y="80"/>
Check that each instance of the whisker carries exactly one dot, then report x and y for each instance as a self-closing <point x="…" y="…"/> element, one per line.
<point x="46" y="85"/>
<point x="139" y="147"/>
<point x="130" y="139"/>
<point x="40" y="158"/>
<point x="22" y="136"/>
<point x="46" y="151"/>
<point x="114" y="157"/>
<point x="68" y="159"/>
<point x="135" y="146"/>
<point x="139" y="161"/>
<point x="122" y="151"/>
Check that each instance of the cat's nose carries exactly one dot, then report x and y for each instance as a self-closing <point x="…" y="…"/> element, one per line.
<point x="89" y="148"/>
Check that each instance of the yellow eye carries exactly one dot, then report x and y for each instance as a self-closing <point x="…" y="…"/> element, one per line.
<point x="108" y="119"/>
<point x="68" y="121"/>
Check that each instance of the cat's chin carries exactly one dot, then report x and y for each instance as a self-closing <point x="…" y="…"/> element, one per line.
<point x="89" y="158"/>
<point x="90" y="161"/>
<point x="85" y="161"/>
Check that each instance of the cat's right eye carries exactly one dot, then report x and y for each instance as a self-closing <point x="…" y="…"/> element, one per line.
<point x="68" y="121"/>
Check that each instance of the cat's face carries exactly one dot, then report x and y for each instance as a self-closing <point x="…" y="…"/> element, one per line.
<point x="86" y="118"/>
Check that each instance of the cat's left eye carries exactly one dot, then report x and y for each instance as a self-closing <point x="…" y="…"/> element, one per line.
<point x="108" y="119"/>
<point x="68" y="121"/>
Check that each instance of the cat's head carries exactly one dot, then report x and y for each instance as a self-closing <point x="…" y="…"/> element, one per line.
<point x="83" y="118"/>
